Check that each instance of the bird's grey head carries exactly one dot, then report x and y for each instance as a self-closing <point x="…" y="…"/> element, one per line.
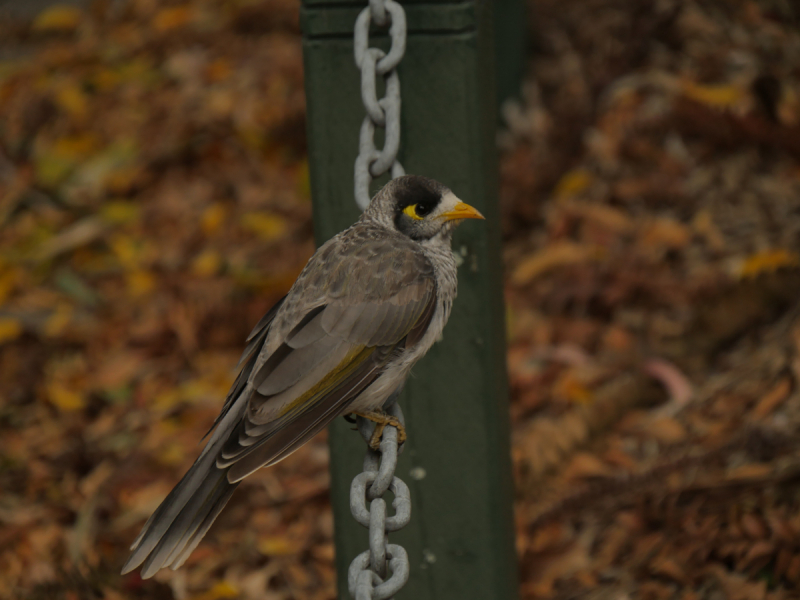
<point x="419" y="207"/>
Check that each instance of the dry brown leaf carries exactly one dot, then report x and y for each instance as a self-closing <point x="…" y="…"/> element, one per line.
<point x="175" y="17"/>
<point x="754" y="526"/>
<point x="773" y="398"/>
<point x="557" y="255"/>
<point x="703" y="224"/>
<point x="754" y="471"/>
<point x="585" y="465"/>
<point x="666" y="430"/>
<point x="662" y="232"/>
<point x="78" y="234"/>
<point x="603" y="215"/>
<point x="667" y="566"/>
<point x="759" y="554"/>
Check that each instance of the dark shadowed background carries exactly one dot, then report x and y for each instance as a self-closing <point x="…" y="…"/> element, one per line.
<point x="154" y="202"/>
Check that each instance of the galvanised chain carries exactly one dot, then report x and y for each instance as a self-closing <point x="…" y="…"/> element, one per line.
<point x="383" y="112"/>
<point x="380" y="572"/>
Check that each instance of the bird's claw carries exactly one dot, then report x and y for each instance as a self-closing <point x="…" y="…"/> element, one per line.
<point x="381" y="420"/>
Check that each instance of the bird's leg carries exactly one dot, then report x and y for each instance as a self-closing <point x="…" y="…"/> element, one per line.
<point x="381" y="420"/>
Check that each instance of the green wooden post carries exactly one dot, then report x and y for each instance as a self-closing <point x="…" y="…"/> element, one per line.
<point x="456" y="460"/>
<point x="510" y="41"/>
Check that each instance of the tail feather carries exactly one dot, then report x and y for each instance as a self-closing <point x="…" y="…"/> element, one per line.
<point x="181" y="520"/>
<point x="190" y="508"/>
<point x="191" y="524"/>
<point x="198" y="535"/>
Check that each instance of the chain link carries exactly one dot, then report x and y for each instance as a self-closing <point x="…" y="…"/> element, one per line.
<point x="380" y="572"/>
<point x="381" y="112"/>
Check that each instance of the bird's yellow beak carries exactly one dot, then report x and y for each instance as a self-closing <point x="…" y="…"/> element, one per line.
<point x="461" y="211"/>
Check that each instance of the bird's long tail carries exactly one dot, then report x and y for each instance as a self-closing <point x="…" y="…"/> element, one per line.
<point x="182" y="519"/>
<point x="185" y="515"/>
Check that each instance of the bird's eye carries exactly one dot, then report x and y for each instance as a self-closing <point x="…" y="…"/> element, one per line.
<point x="418" y="211"/>
<point x="423" y="209"/>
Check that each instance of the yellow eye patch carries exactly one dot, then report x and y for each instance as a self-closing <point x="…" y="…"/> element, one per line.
<point x="411" y="211"/>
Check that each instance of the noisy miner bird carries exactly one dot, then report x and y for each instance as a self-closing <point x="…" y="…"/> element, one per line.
<point x="367" y="306"/>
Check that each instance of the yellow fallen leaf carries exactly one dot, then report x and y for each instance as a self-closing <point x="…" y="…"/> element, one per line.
<point x="106" y="79"/>
<point x="716" y="96"/>
<point x="303" y="181"/>
<point x="8" y="282"/>
<point x="167" y="399"/>
<point x="558" y="255"/>
<point x="252" y="137"/>
<point x="768" y="261"/>
<point x="193" y="389"/>
<point x="276" y="546"/>
<point x="57" y="18"/>
<point x="573" y="183"/>
<point x="129" y="252"/>
<point x="58" y="320"/>
<point x="76" y="145"/>
<point x="222" y="589"/>
<point x="120" y="211"/>
<point x="51" y="168"/>
<point x="267" y="226"/>
<point x="10" y="329"/>
<point x="140" y="282"/>
<point x="207" y="263"/>
<point x="72" y="99"/>
<point x="213" y="217"/>
<point x="172" y="454"/>
<point x="168" y="19"/>
<point x="570" y="388"/>
<point x="64" y="398"/>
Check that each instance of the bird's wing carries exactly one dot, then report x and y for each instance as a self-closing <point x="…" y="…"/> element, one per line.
<point x="359" y="306"/>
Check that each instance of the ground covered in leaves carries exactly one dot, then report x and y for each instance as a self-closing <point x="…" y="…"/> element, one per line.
<point x="154" y="203"/>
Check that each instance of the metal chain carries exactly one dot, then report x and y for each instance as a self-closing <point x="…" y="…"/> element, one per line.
<point x="380" y="572"/>
<point x="383" y="112"/>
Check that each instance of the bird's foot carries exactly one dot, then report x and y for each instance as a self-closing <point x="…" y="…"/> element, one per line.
<point x="381" y="420"/>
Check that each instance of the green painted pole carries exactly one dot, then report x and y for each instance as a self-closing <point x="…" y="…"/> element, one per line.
<point x="511" y="39"/>
<point x="456" y="460"/>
